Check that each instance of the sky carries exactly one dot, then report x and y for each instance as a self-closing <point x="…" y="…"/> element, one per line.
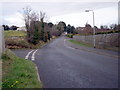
<point x="70" y="12"/>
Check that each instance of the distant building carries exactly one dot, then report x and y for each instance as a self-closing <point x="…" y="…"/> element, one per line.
<point x="21" y="28"/>
<point x="65" y="33"/>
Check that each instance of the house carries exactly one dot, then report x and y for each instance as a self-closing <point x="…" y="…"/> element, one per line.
<point x="21" y="29"/>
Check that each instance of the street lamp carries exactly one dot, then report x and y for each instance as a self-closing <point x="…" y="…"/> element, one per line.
<point x="93" y="25"/>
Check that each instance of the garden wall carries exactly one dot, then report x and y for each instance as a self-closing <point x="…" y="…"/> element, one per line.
<point x="102" y="40"/>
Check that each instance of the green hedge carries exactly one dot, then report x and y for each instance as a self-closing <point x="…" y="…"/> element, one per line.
<point x="70" y="35"/>
<point x="115" y="31"/>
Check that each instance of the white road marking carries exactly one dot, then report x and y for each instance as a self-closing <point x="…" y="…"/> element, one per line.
<point x="67" y="45"/>
<point x="26" y="57"/>
<point x="33" y="55"/>
<point x="38" y="74"/>
<point x="93" y="51"/>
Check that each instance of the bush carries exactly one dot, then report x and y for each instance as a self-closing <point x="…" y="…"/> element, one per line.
<point x="114" y="31"/>
<point x="21" y="43"/>
<point x="16" y="43"/>
<point x="70" y="35"/>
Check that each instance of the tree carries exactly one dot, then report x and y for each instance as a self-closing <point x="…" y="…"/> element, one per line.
<point x="42" y="34"/>
<point x="49" y="35"/>
<point x="61" y="27"/>
<point x="6" y="27"/>
<point x="105" y="27"/>
<point x="101" y="27"/>
<point x="50" y="24"/>
<point x="73" y="29"/>
<point x="27" y="18"/>
<point x="36" y="36"/>
<point x="68" y="28"/>
<point x="96" y="28"/>
<point x="35" y="28"/>
<point x="13" y="27"/>
<point x="34" y="25"/>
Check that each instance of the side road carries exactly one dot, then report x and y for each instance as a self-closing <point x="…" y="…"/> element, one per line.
<point x="60" y="65"/>
<point x="90" y="49"/>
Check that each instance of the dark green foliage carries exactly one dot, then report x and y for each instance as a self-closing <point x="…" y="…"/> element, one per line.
<point x="70" y="35"/>
<point x="42" y="31"/>
<point x="45" y="37"/>
<point x="13" y="27"/>
<point x="36" y="36"/>
<point x="70" y="29"/>
<point x="6" y="27"/>
<point x="49" y="36"/>
<point x="61" y="27"/>
<point x="50" y="24"/>
<point x="113" y="31"/>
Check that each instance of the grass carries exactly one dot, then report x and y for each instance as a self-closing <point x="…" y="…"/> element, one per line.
<point x="78" y="43"/>
<point x="18" y="73"/>
<point x="20" y="43"/>
<point x="14" y="33"/>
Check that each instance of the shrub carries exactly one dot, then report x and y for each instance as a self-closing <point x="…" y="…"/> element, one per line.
<point x="21" y="43"/>
<point x="70" y="35"/>
<point x="114" y="31"/>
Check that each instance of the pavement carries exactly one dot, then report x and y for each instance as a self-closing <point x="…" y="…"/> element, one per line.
<point x="60" y="65"/>
<point x="105" y="52"/>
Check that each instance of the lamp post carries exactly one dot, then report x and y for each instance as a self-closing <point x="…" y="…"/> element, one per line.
<point x="93" y="27"/>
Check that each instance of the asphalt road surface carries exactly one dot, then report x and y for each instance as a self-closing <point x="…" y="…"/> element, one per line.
<point x="62" y="67"/>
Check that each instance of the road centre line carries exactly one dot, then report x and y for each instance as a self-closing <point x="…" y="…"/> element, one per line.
<point x="26" y="57"/>
<point x="33" y="55"/>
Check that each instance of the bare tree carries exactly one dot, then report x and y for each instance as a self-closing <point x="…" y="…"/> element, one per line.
<point x="34" y="16"/>
<point x="42" y="16"/>
<point x="27" y="15"/>
<point x="42" y="34"/>
<point x="27" y="18"/>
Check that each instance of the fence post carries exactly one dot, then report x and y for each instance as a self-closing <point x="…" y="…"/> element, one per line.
<point x="2" y="42"/>
<point x="2" y="48"/>
<point x="119" y="24"/>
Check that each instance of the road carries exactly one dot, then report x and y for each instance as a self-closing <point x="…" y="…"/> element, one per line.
<point x="60" y="66"/>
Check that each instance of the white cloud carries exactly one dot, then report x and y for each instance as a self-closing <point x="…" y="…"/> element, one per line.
<point x="70" y="12"/>
<point x="15" y="19"/>
<point x="59" y="0"/>
<point x="104" y="16"/>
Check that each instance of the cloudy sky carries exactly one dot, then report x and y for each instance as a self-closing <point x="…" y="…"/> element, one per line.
<point x="70" y="12"/>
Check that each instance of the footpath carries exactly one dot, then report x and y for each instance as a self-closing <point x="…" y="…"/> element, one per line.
<point x="109" y="53"/>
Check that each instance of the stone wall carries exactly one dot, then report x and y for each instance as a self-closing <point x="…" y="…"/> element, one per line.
<point x="102" y="41"/>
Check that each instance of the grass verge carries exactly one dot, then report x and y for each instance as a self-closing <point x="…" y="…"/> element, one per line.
<point x="12" y="33"/>
<point x="18" y="73"/>
<point x="78" y="43"/>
